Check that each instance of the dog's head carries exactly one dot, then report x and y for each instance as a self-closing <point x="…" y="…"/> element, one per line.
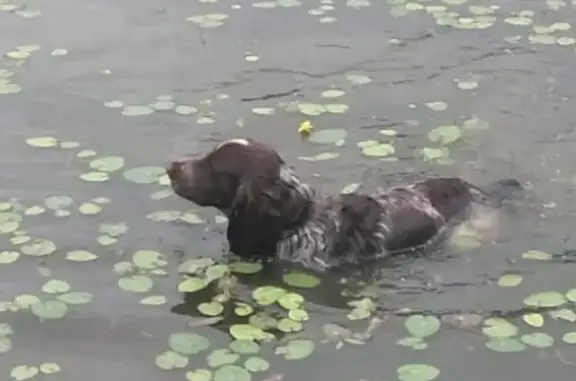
<point x="250" y="183"/>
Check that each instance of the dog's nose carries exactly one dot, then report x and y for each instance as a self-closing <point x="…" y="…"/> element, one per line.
<point x="172" y="168"/>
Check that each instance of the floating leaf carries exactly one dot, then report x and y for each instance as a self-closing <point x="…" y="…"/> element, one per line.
<point x="95" y="177"/>
<point x="55" y="286"/>
<point x="332" y="93"/>
<point x="171" y="360"/>
<point x="7" y="257"/>
<point x="49" y="368"/>
<point x="247" y="332"/>
<point x="445" y="134"/>
<point x="533" y="319"/>
<point x="136" y="283"/>
<point x="50" y="309"/>
<point x="538" y="340"/>
<point x="211" y="20"/>
<point x="311" y="109"/>
<point x="422" y="326"/>
<point x="545" y="299"/>
<point x="243" y="309"/>
<point x="107" y="163"/>
<point x="144" y="175"/>
<point x="163" y="105"/>
<point x="187" y="343"/>
<point x="58" y="202"/>
<point x="80" y="256"/>
<point x="263" y="110"/>
<point x="5" y="344"/>
<point x="41" y="141"/>
<point x="148" y="259"/>
<point x="569" y="338"/>
<point x="301" y="280"/>
<point x="23" y="372"/>
<point x="289" y="325"/>
<point x="505" y="344"/>
<point x="185" y="110"/>
<point x="499" y="328"/>
<point x="153" y="300"/>
<point x="38" y="247"/>
<point x="379" y="150"/>
<point x="114" y="104"/>
<point x="267" y="295"/>
<point x="563" y="314"/>
<point x="244" y="346"/>
<point x="231" y="373"/>
<point x="417" y="372"/>
<point x="137" y="110"/>
<point x="298" y="314"/>
<point x="88" y="208"/>
<point x="337" y="108"/>
<point x="358" y="79"/>
<point x="291" y="301"/>
<point x="221" y="357"/>
<point x="328" y="136"/>
<point x="296" y="349"/>
<point x="211" y="309"/>
<point x="199" y="375"/>
<point x="416" y="343"/>
<point x="76" y="298"/>
<point x="509" y="280"/>
<point x="537" y="255"/>
<point x="437" y="106"/>
<point x="256" y="364"/>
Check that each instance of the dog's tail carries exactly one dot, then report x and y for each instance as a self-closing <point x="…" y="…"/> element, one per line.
<point x="503" y="189"/>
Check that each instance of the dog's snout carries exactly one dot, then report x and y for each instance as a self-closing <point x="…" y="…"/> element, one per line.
<point x="172" y="168"/>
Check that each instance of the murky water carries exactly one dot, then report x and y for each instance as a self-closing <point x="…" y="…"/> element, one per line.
<point x="134" y="51"/>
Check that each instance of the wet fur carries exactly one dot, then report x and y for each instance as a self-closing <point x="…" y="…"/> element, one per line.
<point x="272" y="213"/>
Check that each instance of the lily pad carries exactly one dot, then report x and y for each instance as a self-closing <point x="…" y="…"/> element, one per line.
<point x="153" y="300"/>
<point x="545" y="299"/>
<point x="76" y="298"/>
<point x="40" y="141"/>
<point x="137" y="110"/>
<point x="291" y="301"/>
<point x="332" y="93"/>
<point x="445" y="134"/>
<point x="379" y="150"/>
<point x="187" y="343"/>
<point x="185" y="110"/>
<point x="245" y="267"/>
<point x="243" y="309"/>
<point x="422" y="326"/>
<point x="537" y="255"/>
<point x="289" y="325"/>
<point x="38" y="248"/>
<point x="358" y="79"/>
<point x="171" y="360"/>
<point x="499" y="328"/>
<point x="247" y="332"/>
<point x="24" y="372"/>
<point x="301" y="279"/>
<point x="50" y="309"/>
<point x="211" y="309"/>
<point x="538" y="340"/>
<point x="534" y="319"/>
<point x="563" y="314"/>
<point x="569" y="338"/>
<point x="311" y="109"/>
<point x="509" y="280"/>
<point x="107" y="163"/>
<point x="416" y="343"/>
<point x="505" y="344"/>
<point x="95" y="177"/>
<point x="221" y="357"/>
<point x="58" y="202"/>
<point x="232" y="373"/>
<point x="192" y="284"/>
<point x="55" y="286"/>
<point x="256" y="364"/>
<point x="245" y="346"/>
<point x="49" y="368"/>
<point x="337" y="108"/>
<point x="267" y="295"/>
<point x="136" y="283"/>
<point x="144" y="175"/>
<point x="328" y="136"/>
<point x="296" y="349"/>
<point x="417" y="372"/>
<point x="148" y="259"/>
<point x="199" y="375"/>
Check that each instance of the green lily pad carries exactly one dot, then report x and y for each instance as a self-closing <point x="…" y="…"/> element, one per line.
<point x="437" y="105"/>
<point x="434" y="154"/>
<point x="256" y="364"/>
<point x="332" y="93"/>
<point x="148" y="259"/>
<point x="55" y="286"/>
<point x="534" y="319"/>
<point x="5" y="344"/>
<point x="445" y="134"/>
<point x="422" y="326"/>
<point x="199" y="375"/>
<point x="538" y="340"/>
<point x="505" y="344"/>
<point x="144" y="175"/>
<point x="509" y="280"/>
<point x="291" y="301"/>
<point x="114" y="104"/>
<point x="136" y="283"/>
<point x="58" y="202"/>
<point x="171" y="360"/>
<point x="289" y="325"/>
<point x="24" y="372"/>
<point x="417" y="372"/>
<point x="107" y="163"/>
<point x="221" y="357"/>
<point x="499" y="328"/>
<point x="216" y="272"/>
<point x="38" y="248"/>
<point x="40" y="141"/>
<point x="211" y="309"/>
<point x="300" y="280"/>
<point x="296" y="349"/>
<point x="232" y="373"/>
<point x="211" y="20"/>
<point x="89" y="209"/>
<point x="163" y="105"/>
<point x="379" y="150"/>
<point x="95" y="177"/>
<point x="416" y="343"/>
<point x="137" y="110"/>
<point x="267" y="295"/>
<point x="245" y="267"/>
<point x="358" y="79"/>
<point x="49" y="368"/>
<point x="545" y="299"/>
<point x="336" y="108"/>
<point x="571" y="295"/>
<point x="311" y="109"/>
<point x="187" y="343"/>
<point x="76" y="298"/>
<point x="563" y="314"/>
<point x="243" y="309"/>
<point x="50" y="309"/>
<point x="569" y="338"/>
<point x="298" y="314"/>
<point x="7" y="257"/>
<point x="328" y="136"/>
<point x="185" y="110"/>
<point x="247" y="332"/>
<point x="263" y="110"/>
<point x="113" y="230"/>
<point x="537" y="255"/>
<point x="153" y="300"/>
<point x="245" y="346"/>
<point x="7" y="88"/>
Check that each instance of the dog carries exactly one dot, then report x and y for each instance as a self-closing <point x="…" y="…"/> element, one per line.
<point x="273" y="214"/>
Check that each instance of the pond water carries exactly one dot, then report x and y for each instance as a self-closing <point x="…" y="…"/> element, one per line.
<point x="96" y="95"/>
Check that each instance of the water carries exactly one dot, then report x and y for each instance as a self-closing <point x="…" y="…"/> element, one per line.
<point x="134" y="51"/>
